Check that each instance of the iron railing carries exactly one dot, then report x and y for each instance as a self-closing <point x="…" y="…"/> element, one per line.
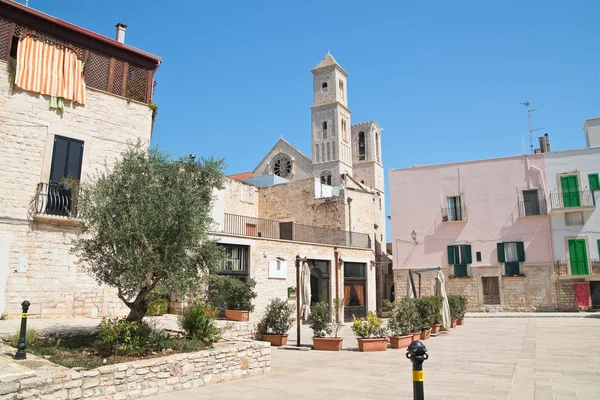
<point x="583" y="198"/>
<point x="454" y="214"/>
<point x="271" y="229"/>
<point x="512" y="268"/>
<point x="55" y="199"/>
<point x="528" y="208"/>
<point x="563" y="268"/>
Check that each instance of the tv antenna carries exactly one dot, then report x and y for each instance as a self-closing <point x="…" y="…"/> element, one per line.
<point x="529" y="111"/>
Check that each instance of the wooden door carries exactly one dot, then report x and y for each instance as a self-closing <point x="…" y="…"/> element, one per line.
<point x="491" y="290"/>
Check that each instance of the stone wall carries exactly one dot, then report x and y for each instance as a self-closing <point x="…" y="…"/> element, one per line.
<point x="144" y="377"/>
<point x="38" y="266"/>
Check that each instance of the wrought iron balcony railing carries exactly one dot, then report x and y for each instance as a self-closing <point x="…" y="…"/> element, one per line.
<point x="266" y="228"/>
<point x="564" y="268"/>
<point x="583" y="198"/>
<point x="454" y="214"/>
<point x="55" y="199"/>
<point x="528" y="208"/>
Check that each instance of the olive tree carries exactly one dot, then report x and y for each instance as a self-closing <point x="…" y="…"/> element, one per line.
<point x="145" y="223"/>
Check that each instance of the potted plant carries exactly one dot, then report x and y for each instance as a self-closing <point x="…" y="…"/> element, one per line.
<point x="371" y="335"/>
<point x="278" y="319"/>
<point x="436" y="305"/>
<point x="415" y="327"/>
<point x="462" y="310"/>
<point x="320" y="321"/>
<point x="425" y="308"/>
<point x="238" y="298"/>
<point x="401" y="324"/>
<point x="454" y="303"/>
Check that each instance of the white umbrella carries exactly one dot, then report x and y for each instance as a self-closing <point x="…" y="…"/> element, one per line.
<point x="439" y="289"/>
<point x="305" y="291"/>
<point x="409" y="289"/>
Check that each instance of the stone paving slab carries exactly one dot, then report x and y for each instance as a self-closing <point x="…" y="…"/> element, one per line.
<point x="494" y="358"/>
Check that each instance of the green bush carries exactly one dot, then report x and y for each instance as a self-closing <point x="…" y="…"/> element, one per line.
<point x="120" y="336"/>
<point x="278" y="318"/>
<point x="215" y="292"/>
<point x="454" y="303"/>
<point x="31" y="338"/>
<point x="198" y="323"/>
<point x="238" y="294"/>
<point x="320" y="320"/>
<point x="437" y="303"/>
<point x="404" y="319"/>
<point x="387" y="308"/>
<point x="159" y="303"/>
<point x="429" y="310"/>
<point x="463" y="305"/>
<point x="370" y="327"/>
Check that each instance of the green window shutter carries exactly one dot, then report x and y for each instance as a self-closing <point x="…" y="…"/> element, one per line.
<point x="450" y="255"/>
<point x="468" y="253"/>
<point x="500" y="247"/>
<point x="594" y="181"/>
<point x="521" y="251"/>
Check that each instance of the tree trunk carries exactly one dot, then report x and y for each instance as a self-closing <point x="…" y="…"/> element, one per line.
<point x="139" y="307"/>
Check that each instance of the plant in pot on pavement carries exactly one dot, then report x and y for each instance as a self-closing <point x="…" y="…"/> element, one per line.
<point x="462" y="310"/>
<point x="436" y="305"/>
<point x="238" y="298"/>
<point x="278" y="319"/>
<point x="401" y="324"/>
<point x="426" y="311"/>
<point x="320" y="321"/>
<point x="454" y="304"/>
<point x="370" y="333"/>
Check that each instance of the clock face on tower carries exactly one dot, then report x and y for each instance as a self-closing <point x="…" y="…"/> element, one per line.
<point x="282" y="166"/>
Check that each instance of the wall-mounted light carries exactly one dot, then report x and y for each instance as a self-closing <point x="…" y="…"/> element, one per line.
<point x="413" y="235"/>
<point x="341" y="261"/>
<point x="372" y="263"/>
<point x="280" y="259"/>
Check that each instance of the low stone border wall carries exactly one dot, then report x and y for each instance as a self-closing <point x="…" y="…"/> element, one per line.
<point x="236" y="330"/>
<point x="144" y="377"/>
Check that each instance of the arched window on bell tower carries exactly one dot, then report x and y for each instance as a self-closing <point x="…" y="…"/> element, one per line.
<point x="361" y="146"/>
<point x="326" y="178"/>
<point x="317" y="152"/>
<point x="377" y="145"/>
<point x="324" y="129"/>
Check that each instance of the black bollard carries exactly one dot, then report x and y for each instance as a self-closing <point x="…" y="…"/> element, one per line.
<point x="417" y="353"/>
<point x="21" y="355"/>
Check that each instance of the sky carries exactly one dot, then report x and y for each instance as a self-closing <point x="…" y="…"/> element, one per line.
<point x="444" y="79"/>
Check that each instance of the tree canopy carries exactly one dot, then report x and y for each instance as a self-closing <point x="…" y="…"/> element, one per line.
<point x="145" y="223"/>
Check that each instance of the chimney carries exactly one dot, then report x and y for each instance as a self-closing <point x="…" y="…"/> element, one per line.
<point x="543" y="148"/>
<point x="547" y="142"/>
<point x="121" y="32"/>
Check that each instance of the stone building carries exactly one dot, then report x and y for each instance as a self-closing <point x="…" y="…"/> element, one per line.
<point x="50" y="132"/>
<point x="329" y="208"/>
<point x="514" y="234"/>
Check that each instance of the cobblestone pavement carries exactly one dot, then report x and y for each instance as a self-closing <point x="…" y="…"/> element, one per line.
<point x="487" y="358"/>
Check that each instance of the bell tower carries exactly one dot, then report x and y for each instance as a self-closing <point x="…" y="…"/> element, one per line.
<point x="331" y="131"/>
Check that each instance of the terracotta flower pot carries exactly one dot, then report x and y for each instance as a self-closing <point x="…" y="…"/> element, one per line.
<point x="400" y="342"/>
<point x="425" y="334"/>
<point x="460" y="321"/>
<point x="435" y="328"/>
<point x="377" y="344"/>
<point x="237" y="315"/>
<point x="416" y="336"/>
<point x="275" y="340"/>
<point x="213" y="312"/>
<point x="453" y="324"/>
<point x="328" y="343"/>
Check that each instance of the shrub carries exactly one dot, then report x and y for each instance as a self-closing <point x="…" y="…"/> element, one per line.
<point x="370" y="327"/>
<point x="427" y="311"/>
<point x="463" y="305"/>
<point x="387" y="309"/>
<point x="437" y="303"/>
<point x="404" y="319"/>
<point x="320" y="320"/>
<point x="159" y="303"/>
<point x="198" y="323"/>
<point x="416" y="324"/>
<point x="31" y="338"/>
<point x="278" y="318"/>
<point x="118" y="335"/>
<point x="215" y="291"/>
<point x="454" y="303"/>
<point x="238" y="294"/>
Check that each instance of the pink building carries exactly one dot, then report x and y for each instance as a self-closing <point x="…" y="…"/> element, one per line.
<point x="485" y="223"/>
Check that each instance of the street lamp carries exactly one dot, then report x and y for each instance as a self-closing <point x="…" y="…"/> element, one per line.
<point x="413" y="235"/>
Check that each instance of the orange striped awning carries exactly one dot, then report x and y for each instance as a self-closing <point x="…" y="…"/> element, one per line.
<point x="49" y="69"/>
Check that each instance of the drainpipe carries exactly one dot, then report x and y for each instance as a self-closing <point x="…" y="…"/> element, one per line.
<point x="336" y="256"/>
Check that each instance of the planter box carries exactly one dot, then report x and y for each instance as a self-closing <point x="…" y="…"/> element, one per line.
<point x="453" y="324"/>
<point x="237" y="315"/>
<point x="435" y="328"/>
<point x="425" y="334"/>
<point x="377" y="344"/>
<point x="400" y="342"/>
<point x="416" y="336"/>
<point x="328" y="343"/>
<point x="275" y="340"/>
<point x="460" y="321"/>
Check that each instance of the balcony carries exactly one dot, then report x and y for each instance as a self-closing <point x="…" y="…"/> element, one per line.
<point x="564" y="271"/>
<point x="270" y="229"/>
<point x="532" y="207"/>
<point x="454" y="214"/>
<point x="55" y="200"/>
<point x="572" y="201"/>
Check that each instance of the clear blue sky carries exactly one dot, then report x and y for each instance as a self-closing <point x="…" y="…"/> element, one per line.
<point x="444" y="79"/>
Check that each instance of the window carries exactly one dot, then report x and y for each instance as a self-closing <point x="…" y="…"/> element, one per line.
<point x="531" y="203"/>
<point x="361" y="146"/>
<point x="344" y="130"/>
<point x="377" y="145"/>
<point x="578" y="257"/>
<point x="67" y="156"/>
<point x="511" y="254"/>
<point x="319" y="281"/>
<point x="459" y="256"/>
<point x="354" y="290"/>
<point x="570" y="191"/>
<point x="282" y="166"/>
<point x="594" y="181"/>
<point x="341" y="88"/>
<point x="324" y="86"/>
<point x="234" y="260"/>
<point x="326" y="178"/>
<point x="455" y="211"/>
<point x="478" y="256"/>
<point x="317" y="152"/>
<point x="574" y="218"/>
<point x="324" y="129"/>
<point x="14" y="46"/>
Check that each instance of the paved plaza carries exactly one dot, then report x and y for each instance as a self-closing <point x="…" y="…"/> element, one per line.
<point x="487" y="358"/>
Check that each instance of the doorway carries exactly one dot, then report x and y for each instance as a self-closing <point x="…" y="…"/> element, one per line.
<point x="491" y="290"/>
<point x="578" y="257"/>
<point x="355" y="293"/>
<point x="595" y="289"/>
<point x="319" y="282"/>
